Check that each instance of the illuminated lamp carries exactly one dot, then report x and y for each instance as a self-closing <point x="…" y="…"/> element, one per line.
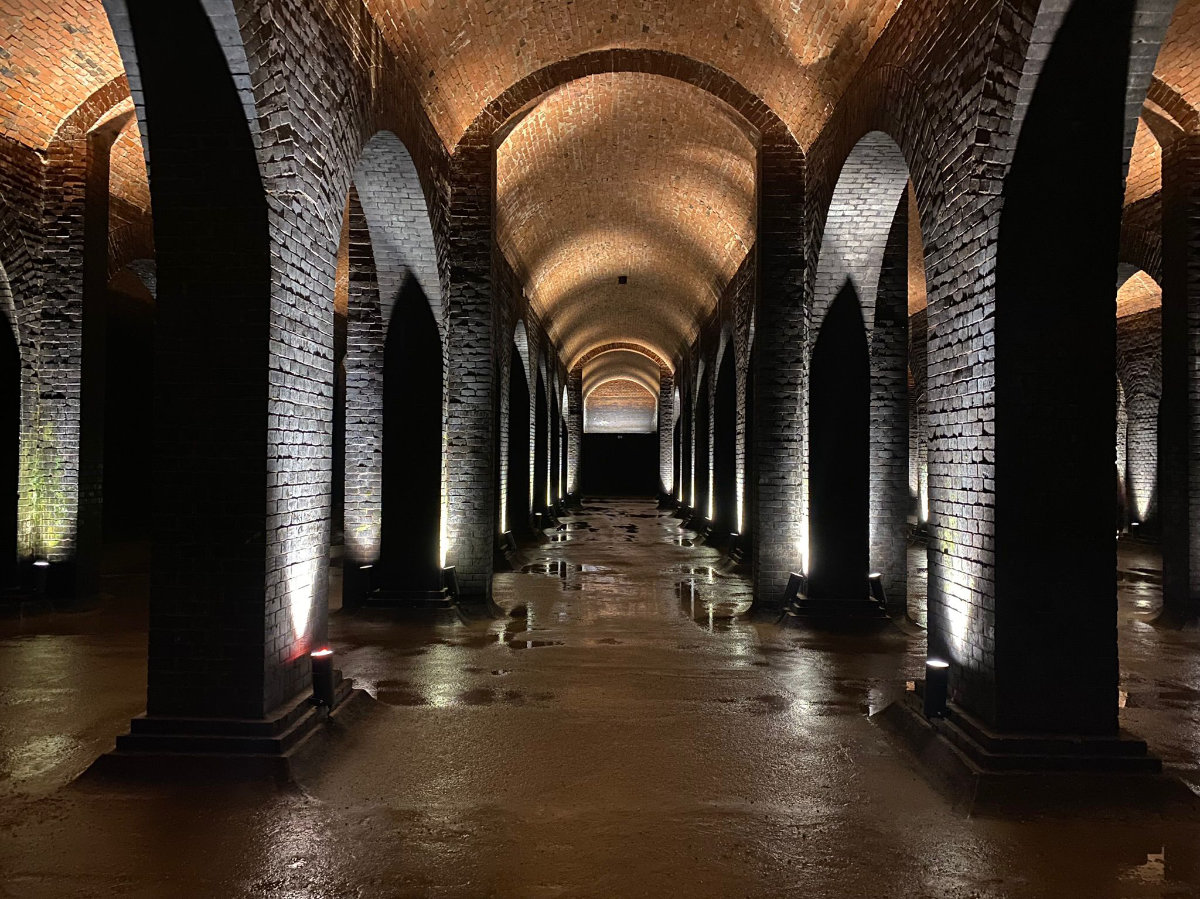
<point x="876" y="581"/>
<point x="322" y="677"/>
<point x="937" y="687"/>
<point x="795" y="586"/>
<point x="450" y="580"/>
<point x="41" y="576"/>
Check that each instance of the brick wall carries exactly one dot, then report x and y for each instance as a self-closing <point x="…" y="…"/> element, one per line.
<point x="1139" y="369"/>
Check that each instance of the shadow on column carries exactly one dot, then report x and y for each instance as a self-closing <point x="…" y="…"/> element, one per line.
<point x="839" y="464"/>
<point x="410" y="563"/>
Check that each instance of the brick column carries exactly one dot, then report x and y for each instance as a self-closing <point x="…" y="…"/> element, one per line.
<point x="687" y="443"/>
<point x="50" y="478"/>
<point x="1139" y="367"/>
<point x="666" y="434"/>
<point x="889" y="499"/>
<point x="209" y="608"/>
<point x="574" y="429"/>
<point x="364" y="404"/>
<point x="1179" y="416"/>
<point x="471" y="495"/>
<point x="1040" y="649"/>
<point x="780" y="338"/>
<point x="555" y="433"/>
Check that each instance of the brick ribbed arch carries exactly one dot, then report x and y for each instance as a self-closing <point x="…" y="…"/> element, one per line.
<point x="516" y="99"/>
<point x="1174" y="104"/>
<point x="621" y="345"/>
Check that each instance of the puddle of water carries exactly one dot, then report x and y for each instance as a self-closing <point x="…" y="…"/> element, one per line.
<point x="710" y="614"/>
<point x="553" y="568"/>
<point x="694" y="572"/>
<point x="401" y="693"/>
<point x="1140" y="576"/>
<point x="513" y="642"/>
<point x="683" y="541"/>
<point x="770" y="704"/>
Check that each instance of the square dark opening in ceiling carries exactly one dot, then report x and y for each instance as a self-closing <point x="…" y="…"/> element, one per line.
<point x="622" y="279"/>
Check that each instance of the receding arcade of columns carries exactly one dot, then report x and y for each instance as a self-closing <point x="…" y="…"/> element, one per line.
<point x="790" y="419"/>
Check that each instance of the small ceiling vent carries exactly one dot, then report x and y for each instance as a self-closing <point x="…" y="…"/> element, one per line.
<point x="622" y="279"/>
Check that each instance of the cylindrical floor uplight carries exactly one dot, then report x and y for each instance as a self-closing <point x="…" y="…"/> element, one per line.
<point x="876" y="581"/>
<point x="937" y="685"/>
<point x="450" y="580"/>
<point x="322" y="675"/>
<point x="41" y="576"/>
<point x="795" y="586"/>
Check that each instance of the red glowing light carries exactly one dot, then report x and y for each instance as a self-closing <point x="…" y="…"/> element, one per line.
<point x="322" y="653"/>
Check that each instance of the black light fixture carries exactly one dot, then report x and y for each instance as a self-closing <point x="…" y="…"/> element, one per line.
<point x="795" y="586"/>
<point x="322" y="677"/>
<point x="41" y="576"/>
<point x="876" y="581"/>
<point x="450" y="580"/>
<point x="937" y="687"/>
<point x="509" y="542"/>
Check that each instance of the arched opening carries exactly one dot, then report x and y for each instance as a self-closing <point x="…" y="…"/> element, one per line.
<point x="1122" y="470"/>
<point x="871" y="253"/>
<point x="517" y="492"/>
<point x="1139" y="390"/>
<point x="839" y="453"/>
<point x="555" y="437"/>
<point x="677" y="447"/>
<point x="541" y="439"/>
<point x="389" y="297"/>
<point x="10" y="447"/>
<point x="412" y="447"/>
<point x="677" y="457"/>
<point x="687" y="454"/>
<point x="562" y="457"/>
<point x="703" y="499"/>
<point x="620" y="418"/>
<point x="724" y="512"/>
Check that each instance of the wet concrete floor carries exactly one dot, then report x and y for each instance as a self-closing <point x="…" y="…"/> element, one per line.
<point x="625" y="730"/>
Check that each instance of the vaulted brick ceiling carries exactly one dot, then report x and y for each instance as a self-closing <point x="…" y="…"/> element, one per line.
<point x="797" y="55"/>
<point x="1138" y="294"/>
<point x="623" y="364"/>
<point x="1178" y="63"/>
<point x="626" y="176"/>
<point x="55" y="55"/>
<point x="1177" y="67"/>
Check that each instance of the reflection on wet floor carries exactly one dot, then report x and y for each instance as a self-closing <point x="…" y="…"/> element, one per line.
<point x="626" y="727"/>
